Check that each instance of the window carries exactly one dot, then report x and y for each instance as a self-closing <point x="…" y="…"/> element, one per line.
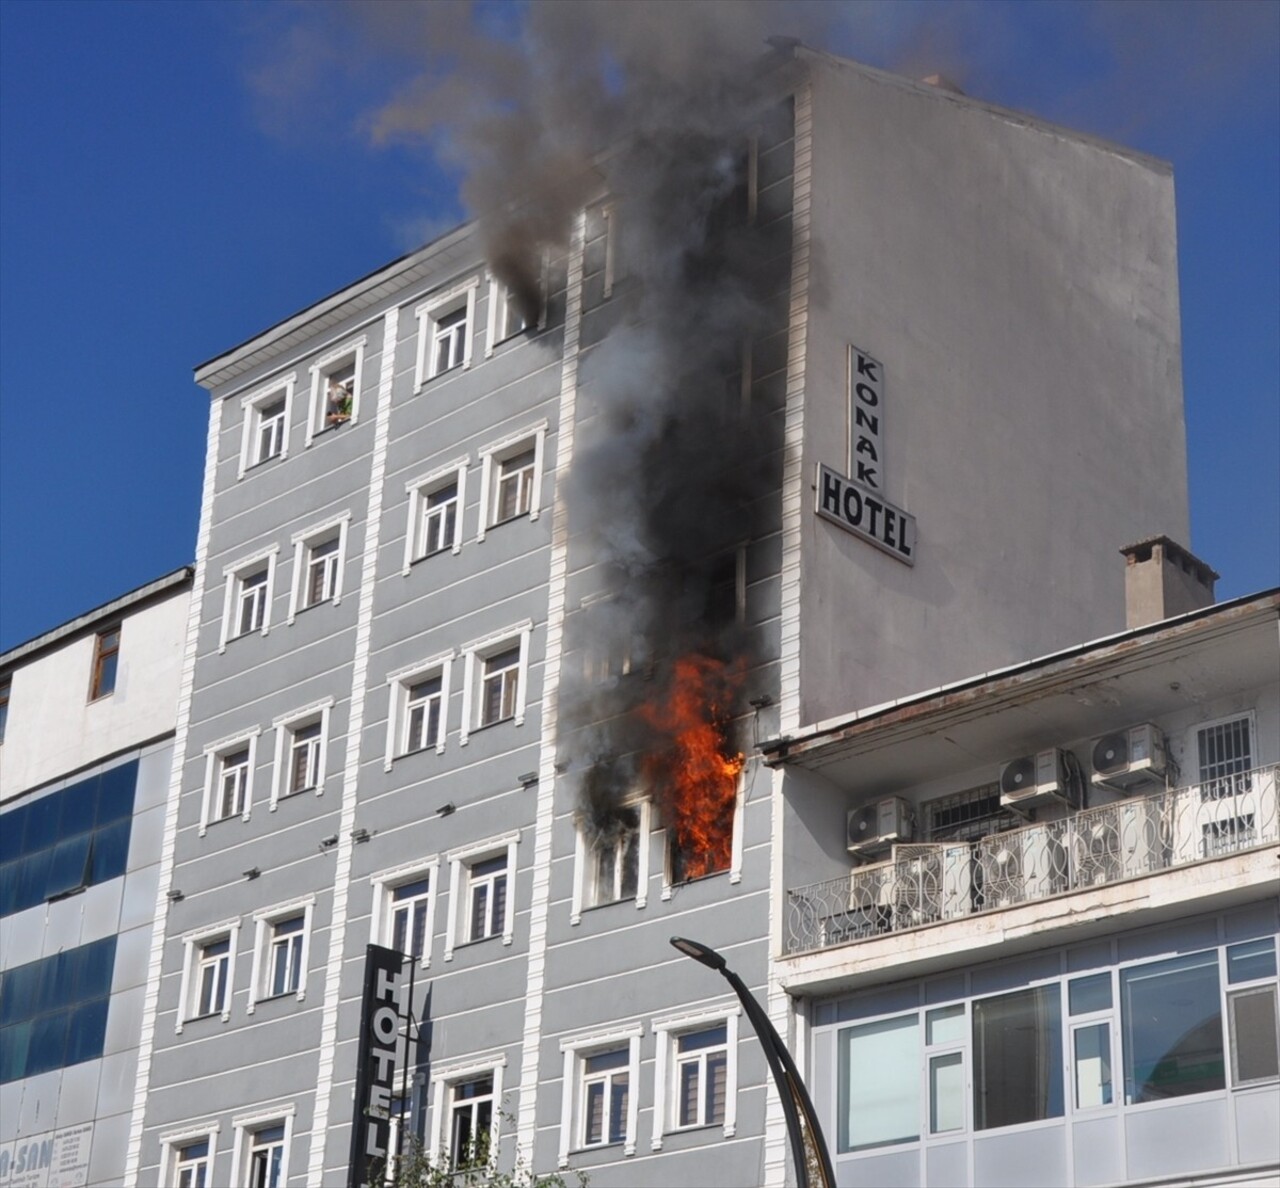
<point x="266" y="1157"/>
<point x="696" y="1074"/>
<point x="879" y="1083"/>
<point x="1017" y="1058"/>
<point x="404" y="909"/>
<point x="193" y="1165"/>
<point x="1226" y="755"/>
<point x="212" y="978"/>
<point x="494" y="679"/>
<point x="471" y="1119"/>
<point x="435" y="512"/>
<point x="598" y="1107"/>
<point x="228" y="779"/>
<point x="968" y="815"/>
<point x="208" y="972"/>
<point x="233" y="784"/>
<point x="611" y="864"/>
<point x="599" y="256"/>
<point x="445" y="326"/>
<point x="511" y="479"/>
<point x="486" y="898"/>
<point x="5" y="687"/>
<point x="481" y="879"/>
<point x="715" y="854"/>
<point x="336" y="380"/>
<point x="302" y="739"/>
<point x="416" y="713"/>
<point x="106" y="656"/>
<point x="282" y="937"/>
<point x="605" y="1092"/>
<point x="506" y="314"/>
<point x="1089" y="998"/>
<point x="318" y="553"/>
<point x="266" y="424"/>
<point x="727" y="590"/>
<point x="247" y="600"/>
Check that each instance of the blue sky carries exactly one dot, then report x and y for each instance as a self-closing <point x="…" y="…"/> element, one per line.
<point x="177" y="176"/>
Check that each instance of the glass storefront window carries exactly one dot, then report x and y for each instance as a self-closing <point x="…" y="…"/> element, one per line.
<point x="1172" y="1027"/>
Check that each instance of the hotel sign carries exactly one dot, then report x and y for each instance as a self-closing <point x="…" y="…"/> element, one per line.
<point x="380" y="1026"/>
<point x="866" y="513"/>
<point x="866" y="418"/>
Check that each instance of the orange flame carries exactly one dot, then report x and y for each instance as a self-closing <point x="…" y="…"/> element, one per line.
<point x="694" y="777"/>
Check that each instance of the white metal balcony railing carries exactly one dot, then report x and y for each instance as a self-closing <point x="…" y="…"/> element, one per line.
<point x="928" y="883"/>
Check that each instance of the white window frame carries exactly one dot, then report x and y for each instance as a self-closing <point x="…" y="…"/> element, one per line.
<point x="442" y="1082"/>
<point x="473" y="655"/>
<point x="499" y="328"/>
<point x="508" y="447"/>
<point x="736" y="843"/>
<point x="385" y="884"/>
<point x="429" y="313"/>
<point x="399" y="683"/>
<point x="665" y="1090"/>
<point x="303" y="543"/>
<point x="286" y="726"/>
<point x="575" y="1051"/>
<point x="213" y="754"/>
<point x="193" y="943"/>
<point x="252" y="405"/>
<point x="233" y="576"/>
<point x="419" y="491"/>
<point x="583" y="862"/>
<point x="173" y="1141"/>
<point x="246" y="1125"/>
<point x="264" y="922"/>
<point x="460" y="863"/>
<point x="336" y="359"/>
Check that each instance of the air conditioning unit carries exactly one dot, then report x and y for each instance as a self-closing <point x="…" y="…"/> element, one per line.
<point x="930" y="882"/>
<point x="1119" y="841"/>
<point x="1020" y="865"/>
<point x="873" y="828"/>
<point x="1038" y="779"/>
<point x="1129" y="759"/>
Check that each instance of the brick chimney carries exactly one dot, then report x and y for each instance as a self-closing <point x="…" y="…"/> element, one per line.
<point x="1162" y="579"/>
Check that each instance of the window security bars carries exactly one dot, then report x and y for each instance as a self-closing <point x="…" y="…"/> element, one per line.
<point x="928" y="883"/>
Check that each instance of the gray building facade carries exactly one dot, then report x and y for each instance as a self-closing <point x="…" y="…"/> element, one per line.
<point x="461" y="554"/>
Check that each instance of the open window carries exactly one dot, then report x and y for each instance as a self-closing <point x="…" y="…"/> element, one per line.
<point x="337" y="378"/>
<point x="106" y="658"/>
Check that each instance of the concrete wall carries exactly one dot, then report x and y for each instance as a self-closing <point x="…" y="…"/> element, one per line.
<point x="1019" y="284"/>
<point x="54" y="728"/>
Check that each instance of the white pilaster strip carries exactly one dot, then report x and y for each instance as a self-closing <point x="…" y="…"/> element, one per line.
<point x="151" y="998"/>
<point x="526" y="1126"/>
<point x="351" y="766"/>
<point x="793" y="501"/>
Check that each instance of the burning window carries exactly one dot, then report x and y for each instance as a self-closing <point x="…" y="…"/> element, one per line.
<point x="615" y="861"/>
<point x="727" y="589"/>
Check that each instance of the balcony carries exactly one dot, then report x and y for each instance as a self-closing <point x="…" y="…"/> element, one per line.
<point x="932" y="883"/>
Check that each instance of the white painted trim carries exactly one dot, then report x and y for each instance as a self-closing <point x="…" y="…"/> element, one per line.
<point x="428" y="314"/>
<point x="232" y="575"/>
<point x="172" y="1141"/>
<point x="215" y="751"/>
<point x="284" y="725"/>
<point x="418" y="489"/>
<point x="398" y="683"/>
<point x="386" y="881"/>
<point x="544" y="814"/>
<point x="303" y="542"/>
<point x="509" y="445"/>
<point x="174" y="804"/>
<point x="320" y="370"/>
<point x="482" y="649"/>
<point x="667" y="1029"/>
<point x="460" y="887"/>
<point x="249" y="1123"/>
<point x="446" y="1076"/>
<point x="263" y="920"/>
<point x="739" y="826"/>
<point x="325" y="1102"/>
<point x="251" y="408"/>
<point x="571" y="1098"/>
<point x="193" y="941"/>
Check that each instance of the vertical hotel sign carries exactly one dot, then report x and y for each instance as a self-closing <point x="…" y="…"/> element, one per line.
<point x="856" y="503"/>
<point x="380" y="1026"/>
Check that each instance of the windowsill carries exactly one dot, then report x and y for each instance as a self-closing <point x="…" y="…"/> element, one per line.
<point x="598" y="1147"/>
<point x="439" y="375"/>
<point x="224" y="820"/>
<point x="244" y="634"/>
<point x="275" y="997"/>
<point x="101" y="696"/>
<point x="204" y="1018"/>
<point x="467" y="944"/>
<point x="711" y="874"/>
<point x="314" y="605"/>
<point x="263" y="462"/>
<point x="429" y="749"/>
<point x="449" y="548"/>
<point x="329" y="427"/>
<point x="491" y="725"/>
<point x="595" y="907"/>
<point x="695" y="1129"/>
<point x="297" y="792"/>
<point x="57" y="896"/>
<point x="524" y="515"/>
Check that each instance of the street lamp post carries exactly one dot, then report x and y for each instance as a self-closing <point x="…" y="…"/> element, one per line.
<point x="808" y="1149"/>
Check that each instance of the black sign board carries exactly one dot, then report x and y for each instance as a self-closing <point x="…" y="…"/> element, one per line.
<point x="381" y="1018"/>
<point x="866" y="513"/>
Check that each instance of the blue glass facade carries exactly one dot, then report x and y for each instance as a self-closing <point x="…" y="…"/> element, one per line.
<point x="53" y="1012"/>
<point x="68" y="840"/>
